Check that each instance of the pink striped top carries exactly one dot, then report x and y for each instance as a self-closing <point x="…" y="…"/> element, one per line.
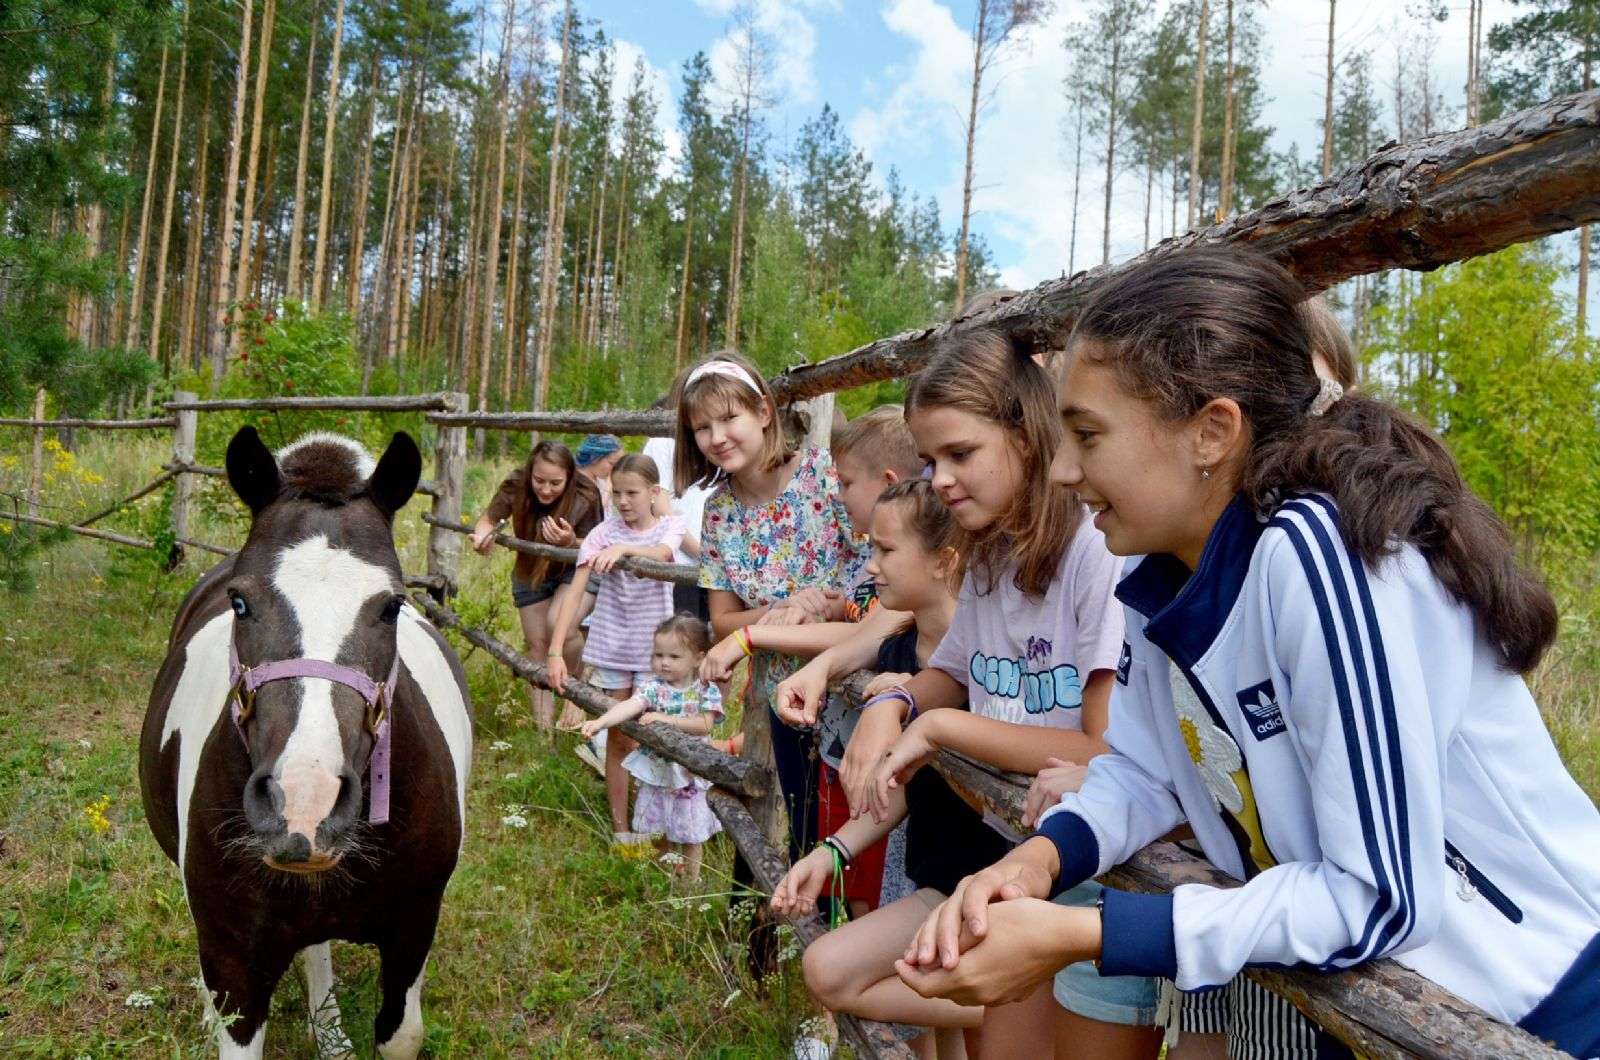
<point x="628" y="608"/>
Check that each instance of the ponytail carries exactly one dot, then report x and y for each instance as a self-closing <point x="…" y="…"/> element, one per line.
<point x="1206" y="324"/>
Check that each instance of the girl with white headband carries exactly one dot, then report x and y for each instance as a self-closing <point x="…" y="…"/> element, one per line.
<point x="776" y="543"/>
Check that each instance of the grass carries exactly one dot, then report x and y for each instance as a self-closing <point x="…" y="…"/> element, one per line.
<point x="549" y="944"/>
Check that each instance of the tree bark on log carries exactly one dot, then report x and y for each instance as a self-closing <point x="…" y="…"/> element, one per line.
<point x="698" y="756"/>
<point x="381" y="403"/>
<point x="677" y="573"/>
<point x="1417" y="205"/>
<point x="651" y="423"/>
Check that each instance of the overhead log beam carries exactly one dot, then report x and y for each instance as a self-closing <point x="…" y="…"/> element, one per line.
<point x="1381" y="1009"/>
<point x="677" y="573"/>
<point x="1416" y="205"/>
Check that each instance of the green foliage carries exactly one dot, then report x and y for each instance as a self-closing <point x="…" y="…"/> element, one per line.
<point x="1487" y="352"/>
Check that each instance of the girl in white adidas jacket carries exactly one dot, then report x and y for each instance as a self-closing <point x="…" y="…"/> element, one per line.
<point x="1327" y="633"/>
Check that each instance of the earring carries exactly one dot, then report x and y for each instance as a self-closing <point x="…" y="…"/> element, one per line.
<point x="1205" y="473"/>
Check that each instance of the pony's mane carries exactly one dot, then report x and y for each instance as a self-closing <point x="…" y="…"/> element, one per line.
<point x="323" y="466"/>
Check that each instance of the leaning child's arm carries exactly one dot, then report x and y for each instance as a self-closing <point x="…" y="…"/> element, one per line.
<point x="627" y="710"/>
<point x="692" y="724"/>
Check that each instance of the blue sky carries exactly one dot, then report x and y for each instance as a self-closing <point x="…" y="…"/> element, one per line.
<point x="896" y="71"/>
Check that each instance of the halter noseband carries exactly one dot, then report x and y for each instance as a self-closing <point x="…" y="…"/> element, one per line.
<point x="243" y="682"/>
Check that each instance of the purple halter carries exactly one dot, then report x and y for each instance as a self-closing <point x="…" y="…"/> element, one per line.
<point x="243" y="682"/>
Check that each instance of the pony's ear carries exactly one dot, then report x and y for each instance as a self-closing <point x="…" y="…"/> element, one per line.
<point x="252" y="470"/>
<point x="395" y="478"/>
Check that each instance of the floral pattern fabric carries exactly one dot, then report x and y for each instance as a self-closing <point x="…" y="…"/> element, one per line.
<point x="801" y="539"/>
<point x="650" y="768"/>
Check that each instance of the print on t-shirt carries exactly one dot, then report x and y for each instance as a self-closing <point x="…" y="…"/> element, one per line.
<point x="1041" y="690"/>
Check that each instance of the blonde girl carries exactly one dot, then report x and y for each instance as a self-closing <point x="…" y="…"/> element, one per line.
<point x="1032" y="651"/>
<point x="627" y="609"/>
<point x="775" y="543"/>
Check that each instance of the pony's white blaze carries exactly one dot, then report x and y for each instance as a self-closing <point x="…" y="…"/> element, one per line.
<point x="431" y="671"/>
<point x="200" y="697"/>
<point x="326" y="588"/>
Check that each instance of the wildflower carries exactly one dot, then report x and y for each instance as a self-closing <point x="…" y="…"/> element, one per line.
<point x="705" y="907"/>
<point x="731" y="998"/>
<point x="671" y="857"/>
<point x="82" y="742"/>
<point x="138" y="999"/>
<point x="514" y="820"/>
<point x="500" y="745"/>
<point x="499" y="888"/>
<point x="95" y="814"/>
<point x="513" y="775"/>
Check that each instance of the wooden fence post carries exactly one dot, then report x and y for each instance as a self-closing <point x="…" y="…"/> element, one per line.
<point x="449" y="471"/>
<point x="757" y="727"/>
<point x="36" y="468"/>
<point x="819" y="429"/>
<point x="183" y="486"/>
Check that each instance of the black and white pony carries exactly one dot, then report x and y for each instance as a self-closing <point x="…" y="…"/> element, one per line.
<point x="305" y="753"/>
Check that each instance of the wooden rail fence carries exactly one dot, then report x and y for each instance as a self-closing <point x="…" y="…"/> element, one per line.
<point x="1418" y="205"/>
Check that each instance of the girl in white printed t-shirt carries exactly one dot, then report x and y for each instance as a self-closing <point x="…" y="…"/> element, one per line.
<point x="1032" y="651"/>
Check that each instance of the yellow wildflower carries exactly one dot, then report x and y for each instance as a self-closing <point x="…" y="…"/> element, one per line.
<point x="95" y="814"/>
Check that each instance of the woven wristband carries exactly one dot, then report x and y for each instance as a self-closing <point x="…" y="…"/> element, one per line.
<point x="900" y="694"/>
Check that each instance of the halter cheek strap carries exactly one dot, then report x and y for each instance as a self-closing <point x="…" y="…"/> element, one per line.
<point x="244" y="681"/>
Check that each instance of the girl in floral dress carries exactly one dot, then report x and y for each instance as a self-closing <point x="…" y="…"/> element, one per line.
<point x="776" y="543"/>
<point x="672" y="801"/>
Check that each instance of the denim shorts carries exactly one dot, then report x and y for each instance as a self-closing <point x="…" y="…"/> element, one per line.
<point x="524" y="594"/>
<point x="610" y="680"/>
<point x="1080" y="988"/>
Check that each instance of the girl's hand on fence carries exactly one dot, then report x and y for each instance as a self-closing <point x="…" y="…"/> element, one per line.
<point x="796" y="894"/>
<point x="651" y="717"/>
<point x="719" y="661"/>
<point x="605" y="561"/>
<point x="876" y="732"/>
<point x="883" y="683"/>
<point x="910" y="753"/>
<point x="1027" y="942"/>
<point x="555" y="673"/>
<point x="1027" y="872"/>
<point x="483" y="538"/>
<point x="799" y="699"/>
<point x="589" y="728"/>
<point x="557" y="532"/>
<point x="1056" y="779"/>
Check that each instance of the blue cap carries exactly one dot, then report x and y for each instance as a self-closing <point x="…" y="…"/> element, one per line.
<point x="597" y="447"/>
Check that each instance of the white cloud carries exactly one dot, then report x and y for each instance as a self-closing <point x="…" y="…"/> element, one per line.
<point x="788" y="29"/>
<point x="660" y="85"/>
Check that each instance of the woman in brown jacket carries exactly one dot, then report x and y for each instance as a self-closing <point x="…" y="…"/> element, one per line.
<point x="549" y="502"/>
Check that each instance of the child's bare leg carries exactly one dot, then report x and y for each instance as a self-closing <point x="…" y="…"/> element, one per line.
<point x="536" y="633"/>
<point x="572" y="650"/>
<point x="1200" y="1047"/>
<point x="859" y="907"/>
<point x="693" y="853"/>
<point x="617" y="748"/>
<point x="852" y="969"/>
<point x="1021" y="1030"/>
<point x="951" y="1043"/>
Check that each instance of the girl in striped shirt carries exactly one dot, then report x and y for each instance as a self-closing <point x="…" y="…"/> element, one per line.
<point x="628" y="608"/>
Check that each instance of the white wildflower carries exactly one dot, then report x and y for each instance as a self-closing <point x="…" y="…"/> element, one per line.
<point x="499" y="888"/>
<point x="789" y="952"/>
<point x="85" y="744"/>
<point x="513" y="775"/>
<point x="514" y="820"/>
<point x="139" y="999"/>
<point x="500" y="745"/>
<point x="705" y="907"/>
<point x="731" y="998"/>
<point x="671" y="857"/>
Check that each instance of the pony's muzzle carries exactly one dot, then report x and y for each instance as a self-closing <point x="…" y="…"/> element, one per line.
<point x="301" y="812"/>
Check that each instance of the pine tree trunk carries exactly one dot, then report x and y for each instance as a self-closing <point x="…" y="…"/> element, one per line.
<point x="187" y="348"/>
<point x="223" y="297"/>
<point x="142" y="244"/>
<point x="683" y="285"/>
<point x="408" y="248"/>
<point x="621" y="245"/>
<point x="597" y="256"/>
<point x="358" y="216"/>
<point x="1327" y="103"/>
<point x="972" y="136"/>
<point x="466" y="304"/>
<point x="325" y="189"/>
<point x="241" y="283"/>
<point x="492" y="262"/>
<point x="1225" y="192"/>
<point x="550" y="263"/>
<point x="1149" y="191"/>
<point x="1077" y="180"/>
<point x="432" y="286"/>
<point x="1113" y="116"/>
<point x="118" y="306"/>
<point x="172" y="190"/>
<point x="736" y="255"/>
<point x="81" y="311"/>
<point x="255" y="280"/>
<point x="508" y="374"/>
<point x="297" y="228"/>
<point x="1583" y="230"/>
<point x="1199" y="114"/>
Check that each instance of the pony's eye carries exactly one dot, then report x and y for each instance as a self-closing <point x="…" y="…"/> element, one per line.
<point x="240" y="608"/>
<point x="391" y="610"/>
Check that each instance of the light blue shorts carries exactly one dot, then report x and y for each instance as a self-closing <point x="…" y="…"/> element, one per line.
<point x="1081" y="989"/>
